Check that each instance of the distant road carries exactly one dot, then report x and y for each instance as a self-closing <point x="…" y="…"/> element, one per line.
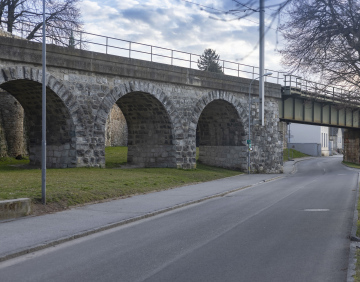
<point x="292" y="229"/>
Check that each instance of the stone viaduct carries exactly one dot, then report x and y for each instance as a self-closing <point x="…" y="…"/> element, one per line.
<point x="168" y="109"/>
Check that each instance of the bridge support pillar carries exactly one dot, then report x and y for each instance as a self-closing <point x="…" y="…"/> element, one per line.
<point x="352" y="146"/>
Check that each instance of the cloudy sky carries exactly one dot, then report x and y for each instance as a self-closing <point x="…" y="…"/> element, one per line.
<point x="179" y="25"/>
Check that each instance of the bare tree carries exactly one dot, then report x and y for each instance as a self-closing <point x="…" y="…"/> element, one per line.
<point x="24" y="17"/>
<point x="323" y="37"/>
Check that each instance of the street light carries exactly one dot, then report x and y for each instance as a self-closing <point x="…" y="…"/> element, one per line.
<point x="249" y="140"/>
<point x="43" y="112"/>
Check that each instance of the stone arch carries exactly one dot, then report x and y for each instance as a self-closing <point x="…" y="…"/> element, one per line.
<point x="220" y="130"/>
<point x="25" y="84"/>
<point x="154" y="127"/>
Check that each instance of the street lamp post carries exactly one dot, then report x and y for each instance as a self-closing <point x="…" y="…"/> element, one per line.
<point x="249" y="140"/>
<point x="43" y="111"/>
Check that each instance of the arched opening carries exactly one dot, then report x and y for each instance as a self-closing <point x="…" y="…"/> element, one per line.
<point x="149" y="131"/>
<point x="60" y="130"/>
<point x="13" y="140"/>
<point x="220" y="136"/>
<point x="116" y="130"/>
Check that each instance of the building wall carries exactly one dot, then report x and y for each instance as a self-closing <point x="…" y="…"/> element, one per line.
<point x="325" y="145"/>
<point x="304" y="133"/>
<point x="310" y="134"/>
<point x="340" y="140"/>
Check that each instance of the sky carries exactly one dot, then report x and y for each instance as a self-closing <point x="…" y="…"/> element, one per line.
<point x="179" y="25"/>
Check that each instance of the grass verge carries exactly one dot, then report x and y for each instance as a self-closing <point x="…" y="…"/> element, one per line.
<point x="357" y="275"/>
<point x="351" y="165"/>
<point x="357" y="266"/>
<point x="293" y="154"/>
<point x="74" y="186"/>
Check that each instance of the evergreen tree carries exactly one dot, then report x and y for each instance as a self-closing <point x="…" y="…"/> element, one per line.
<point x="209" y="61"/>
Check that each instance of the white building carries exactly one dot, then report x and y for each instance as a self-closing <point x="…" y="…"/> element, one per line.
<point x="336" y="138"/>
<point x="309" y="139"/>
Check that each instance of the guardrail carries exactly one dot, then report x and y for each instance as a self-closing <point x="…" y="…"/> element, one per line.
<point x="295" y="85"/>
<point x="136" y="50"/>
<point x="132" y="49"/>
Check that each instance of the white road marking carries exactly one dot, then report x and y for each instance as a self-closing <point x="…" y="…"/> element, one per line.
<point x="316" y="210"/>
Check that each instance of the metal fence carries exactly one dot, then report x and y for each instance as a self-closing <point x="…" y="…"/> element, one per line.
<point x="136" y="50"/>
<point x="114" y="46"/>
<point x="295" y="85"/>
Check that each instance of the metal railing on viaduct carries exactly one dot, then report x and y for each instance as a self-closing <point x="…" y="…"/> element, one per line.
<point x="303" y="101"/>
<point x="293" y="85"/>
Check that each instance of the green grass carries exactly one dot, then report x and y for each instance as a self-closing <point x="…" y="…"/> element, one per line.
<point x="115" y="156"/>
<point x="351" y="164"/>
<point x="293" y="154"/>
<point x="12" y="163"/>
<point x="358" y="221"/>
<point x="357" y="266"/>
<point x="74" y="186"/>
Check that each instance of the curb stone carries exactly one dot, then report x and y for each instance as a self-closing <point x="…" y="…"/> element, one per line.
<point x="295" y="161"/>
<point x="354" y="240"/>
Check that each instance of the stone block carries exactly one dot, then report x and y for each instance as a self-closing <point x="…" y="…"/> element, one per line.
<point x="15" y="208"/>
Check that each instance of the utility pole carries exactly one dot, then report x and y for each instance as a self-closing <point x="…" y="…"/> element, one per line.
<point x="261" y="62"/>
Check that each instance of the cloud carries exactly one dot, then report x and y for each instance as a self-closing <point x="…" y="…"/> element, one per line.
<point x="179" y="25"/>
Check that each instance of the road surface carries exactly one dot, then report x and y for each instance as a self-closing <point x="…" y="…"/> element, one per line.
<point x="291" y="229"/>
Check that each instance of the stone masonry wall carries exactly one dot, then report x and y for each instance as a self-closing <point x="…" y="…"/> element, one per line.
<point x="3" y="143"/>
<point x="283" y="130"/>
<point x="267" y="143"/>
<point x="230" y="157"/>
<point x="150" y="120"/>
<point x="352" y="146"/>
<point x="152" y="156"/>
<point x="162" y="105"/>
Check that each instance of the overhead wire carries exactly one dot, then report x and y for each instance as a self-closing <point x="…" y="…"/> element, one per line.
<point x="226" y="13"/>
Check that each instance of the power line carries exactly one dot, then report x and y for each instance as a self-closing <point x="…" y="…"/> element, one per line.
<point x="224" y="12"/>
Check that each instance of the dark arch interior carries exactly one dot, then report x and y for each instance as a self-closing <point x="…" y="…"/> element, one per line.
<point x="150" y="135"/>
<point x="219" y="125"/>
<point x="221" y="137"/>
<point x="60" y="129"/>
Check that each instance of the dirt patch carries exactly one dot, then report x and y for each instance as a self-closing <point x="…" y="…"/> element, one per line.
<point x="40" y="209"/>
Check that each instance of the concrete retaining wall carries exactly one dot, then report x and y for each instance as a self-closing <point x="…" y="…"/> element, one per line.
<point x="312" y="149"/>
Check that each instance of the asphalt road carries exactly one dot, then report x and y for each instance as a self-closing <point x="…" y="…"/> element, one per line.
<point x="292" y="229"/>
